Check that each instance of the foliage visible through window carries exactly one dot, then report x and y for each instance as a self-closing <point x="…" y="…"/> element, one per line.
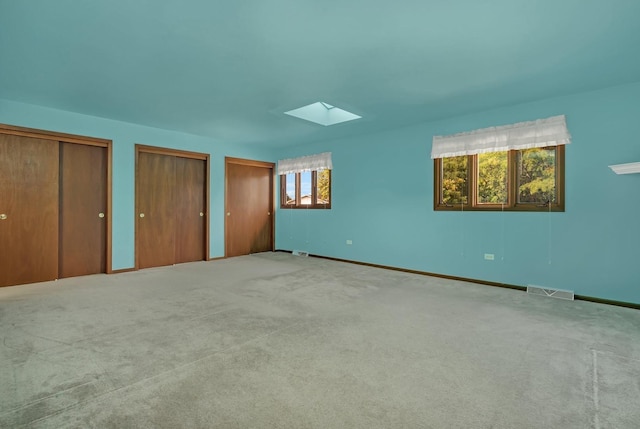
<point x="536" y="176"/>
<point x="455" y="173"/>
<point x="492" y="178"/>
<point x="528" y="180"/>
<point x="308" y="189"/>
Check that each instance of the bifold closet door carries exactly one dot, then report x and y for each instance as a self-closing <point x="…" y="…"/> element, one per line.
<point x="83" y="204"/>
<point x="156" y="222"/>
<point x="190" y="209"/>
<point x="28" y="210"/>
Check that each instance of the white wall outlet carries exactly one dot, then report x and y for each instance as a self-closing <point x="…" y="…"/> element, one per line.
<point x="349" y="242"/>
<point x="489" y="256"/>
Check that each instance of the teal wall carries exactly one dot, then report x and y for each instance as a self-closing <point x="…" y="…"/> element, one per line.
<point x="383" y="201"/>
<point x="124" y="137"/>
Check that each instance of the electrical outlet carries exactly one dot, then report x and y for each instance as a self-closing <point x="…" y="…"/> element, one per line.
<point x="489" y="256"/>
<point x="349" y="242"/>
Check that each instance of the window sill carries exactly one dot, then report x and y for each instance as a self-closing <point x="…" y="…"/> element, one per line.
<point x="522" y="208"/>
<point x="324" y="207"/>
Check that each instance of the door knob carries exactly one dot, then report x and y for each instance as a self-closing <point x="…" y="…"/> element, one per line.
<point x="3" y="216"/>
<point x="268" y="213"/>
<point x="141" y="214"/>
<point x="100" y="215"/>
<point x="228" y="214"/>
<point x="201" y="214"/>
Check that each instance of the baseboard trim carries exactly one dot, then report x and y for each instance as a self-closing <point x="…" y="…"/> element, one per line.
<point x="424" y="273"/>
<point x="608" y="301"/>
<point x="469" y="280"/>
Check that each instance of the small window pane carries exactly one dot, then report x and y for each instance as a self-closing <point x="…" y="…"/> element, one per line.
<point x="454" y="180"/>
<point x="305" y="188"/>
<point x="537" y="176"/>
<point x="291" y="189"/>
<point x="492" y="178"/>
<point x="324" y="187"/>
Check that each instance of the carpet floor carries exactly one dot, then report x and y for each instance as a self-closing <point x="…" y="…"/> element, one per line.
<point x="277" y="341"/>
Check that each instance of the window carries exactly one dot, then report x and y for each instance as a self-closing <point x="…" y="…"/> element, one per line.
<point x="525" y="180"/>
<point x="516" y="167"/>
<point x="307" y="189"/>
<point x="305" y="182"/>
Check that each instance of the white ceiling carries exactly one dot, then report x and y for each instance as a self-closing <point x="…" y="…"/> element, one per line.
<point x="230" y="69"/>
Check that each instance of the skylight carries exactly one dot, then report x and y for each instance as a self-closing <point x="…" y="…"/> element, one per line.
<point x="323" y="113"/>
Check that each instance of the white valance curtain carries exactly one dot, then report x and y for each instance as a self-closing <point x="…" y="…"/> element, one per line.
<point x="321" y="161"/>
<point x="524" y="135"/>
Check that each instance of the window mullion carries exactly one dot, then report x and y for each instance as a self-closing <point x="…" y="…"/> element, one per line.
<point x="314" y="188"/>
<point x="298" y="181"/>
<point x="559" y="170"/>
<point x="283" y="190"/>
<point x="473" y="181"/>
<point x="512" y="177"/>
<point x="437" y="180"/>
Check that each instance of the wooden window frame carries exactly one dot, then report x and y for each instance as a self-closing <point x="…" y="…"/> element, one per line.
<point x="512" y="174"/>
<point x="314" y="193"/>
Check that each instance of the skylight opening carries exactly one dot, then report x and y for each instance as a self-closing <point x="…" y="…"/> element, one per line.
<point x="323" y="113"/>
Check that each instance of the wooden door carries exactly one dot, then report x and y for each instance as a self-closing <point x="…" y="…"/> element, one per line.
<point x="249" y="207"/>
<point x="28" y="210"/>
<point x="83" y="206"/>
<point x="156" y="219"/>
<point x="190" y="209"/>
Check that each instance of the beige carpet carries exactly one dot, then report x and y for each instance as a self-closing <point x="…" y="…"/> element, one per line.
<point x="277" y="341"/>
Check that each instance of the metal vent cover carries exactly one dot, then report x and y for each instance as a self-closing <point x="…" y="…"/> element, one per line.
<point x="547" y="291"/>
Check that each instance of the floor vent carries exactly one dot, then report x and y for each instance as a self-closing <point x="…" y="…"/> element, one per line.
<point x="300" y="253"/>
<point x="545" y="291"/>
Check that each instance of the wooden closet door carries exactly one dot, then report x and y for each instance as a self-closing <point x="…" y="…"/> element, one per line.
<point x="190" y="210"/>
<point x="249" y="195"/>
<point x="156" y="218"/>
<point x="83" y="204"/>
<point x="28" y="210"/>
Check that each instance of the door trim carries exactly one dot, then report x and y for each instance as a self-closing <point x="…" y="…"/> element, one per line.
<point x="183" y="154"/>
<point x="252" y="163"/>
<point x="58" y="137"/>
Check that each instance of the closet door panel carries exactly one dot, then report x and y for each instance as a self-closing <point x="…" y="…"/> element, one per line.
<point x="249" y="202"/>
<point x="156" y="219"/>
<point x="83" y="204"/>
<point x="28" y="210"/>
<point x="190" y="209"/>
